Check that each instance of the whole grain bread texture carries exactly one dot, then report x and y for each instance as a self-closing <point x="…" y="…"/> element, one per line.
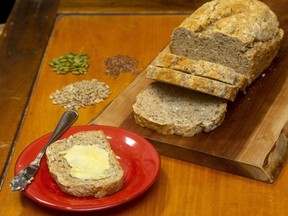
<point x="193" y="82"/>
<point x="202" y="68"/>
<point x="241" y="34"/>
<point x="60" y="169"/>
<point x="170" y="109"/>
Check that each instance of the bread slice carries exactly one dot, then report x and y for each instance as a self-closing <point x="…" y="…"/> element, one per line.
<point x="170" y="109"/>
<point x="60" y="168"/>
<point x="192" y="81"/>
<point x="201" y="68"/>
<point x="241" y="34"/>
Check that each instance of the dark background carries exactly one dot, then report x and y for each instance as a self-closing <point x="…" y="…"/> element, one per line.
<point x="5" y="8"/>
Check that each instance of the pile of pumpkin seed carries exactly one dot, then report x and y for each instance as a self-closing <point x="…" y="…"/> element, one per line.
<point x="70" y="62"/>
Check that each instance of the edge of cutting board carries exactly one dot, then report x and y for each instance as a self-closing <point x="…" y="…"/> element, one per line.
<point x="251" y="141"/>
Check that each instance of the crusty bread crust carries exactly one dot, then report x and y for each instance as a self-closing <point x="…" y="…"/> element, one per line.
<point x="202" y="68"/>
<point x="191" y="81"/>
<point x="60" y="169"/>
<point x="241" y="34"/>
<point x="170" y="109"/>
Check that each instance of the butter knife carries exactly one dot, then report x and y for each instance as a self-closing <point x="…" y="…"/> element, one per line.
<point x="26" y="176"/>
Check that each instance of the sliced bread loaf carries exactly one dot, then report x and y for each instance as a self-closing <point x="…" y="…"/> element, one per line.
<point x="170" y="109"/>
<point x="192" y="81"/>
<point x="201" y="68"/>
<point x="85" y="165"/>
<point x="241" y="34"/>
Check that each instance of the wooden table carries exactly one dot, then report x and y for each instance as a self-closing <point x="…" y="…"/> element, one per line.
<point x="139" y="29"/>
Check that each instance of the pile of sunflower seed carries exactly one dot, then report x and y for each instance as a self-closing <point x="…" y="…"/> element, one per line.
<point x="81" y="94"/>
<point x="70" y="62"/>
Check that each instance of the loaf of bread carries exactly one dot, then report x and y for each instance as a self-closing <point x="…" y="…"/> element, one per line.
<point x="202" y="68"/>
<point x="222" y="47"/>
<point x="85" y="165"/>
<point x="170" y="109"/>
<point x="192" y="81"/>
<point x="241" y="34"/>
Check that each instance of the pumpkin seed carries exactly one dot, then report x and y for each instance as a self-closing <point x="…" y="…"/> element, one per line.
<point x="70" y="62"/>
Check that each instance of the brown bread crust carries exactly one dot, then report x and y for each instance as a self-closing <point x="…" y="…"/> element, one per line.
<point x="201" y="68"/>
<point x="241" y="34"/>
<point x="194" y="82"/>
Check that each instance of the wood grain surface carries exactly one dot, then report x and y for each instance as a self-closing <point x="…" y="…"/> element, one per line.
<point x="21" y="53"/>
<point x="182" y="188"/>
<point x="1" y="28"/>
<point x="100" y="37"/>
<point x="130" y="7"/>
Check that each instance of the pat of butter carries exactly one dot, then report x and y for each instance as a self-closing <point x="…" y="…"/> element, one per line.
<point x="87" y="162"/>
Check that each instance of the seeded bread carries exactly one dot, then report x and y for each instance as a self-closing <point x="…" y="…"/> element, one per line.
<point x="60" y="169"/>
<point x="241" y="34"/>
<point x="170" y="109"/>
<point x="192" y="81"/>
<point x="201" y="68"/>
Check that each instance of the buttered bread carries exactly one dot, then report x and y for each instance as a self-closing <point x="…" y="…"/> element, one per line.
<point x="85" y="165"/>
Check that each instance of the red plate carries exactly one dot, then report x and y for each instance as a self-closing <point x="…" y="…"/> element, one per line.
<point x="138" y="158"/>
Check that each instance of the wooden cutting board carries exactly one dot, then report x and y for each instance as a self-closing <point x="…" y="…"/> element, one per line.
<point x="252" y="140"/>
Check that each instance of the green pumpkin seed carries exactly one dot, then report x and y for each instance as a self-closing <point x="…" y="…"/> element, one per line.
<point x="70" y="62"/>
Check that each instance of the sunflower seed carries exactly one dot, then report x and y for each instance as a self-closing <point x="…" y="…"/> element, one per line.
<point x="81" y="94"/>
